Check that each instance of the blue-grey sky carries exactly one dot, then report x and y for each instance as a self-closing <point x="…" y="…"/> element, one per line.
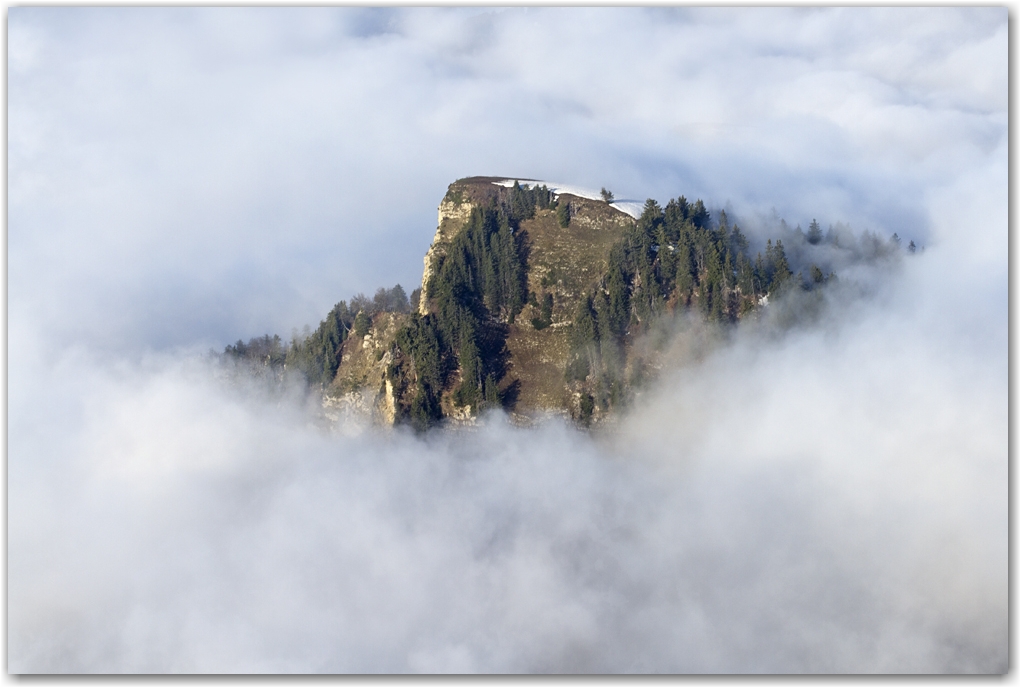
<point x="194" y="175"/>
<point x="831" y="499"/>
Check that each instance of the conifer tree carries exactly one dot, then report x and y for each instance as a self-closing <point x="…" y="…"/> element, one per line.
<point x="361" y="323"/>
<point x="738" y="242"/>
<point x="722" y="235"/>
<point x="699" y="215"/>
<point x="745" y="275"/>
<point x="563" y="214"/>
<point x="617" y="313"/>
<point x="491" y="392"/>
<point x="780" y="267"/>
<point x="584" y="341"/>
<point x="651" y="217"/>
<point x="814" y="234"/>
<point x="717" y="301"/>
<point x="665" y="267"/>
<point x="684" y="278"/>
<point x="762" y="278"/>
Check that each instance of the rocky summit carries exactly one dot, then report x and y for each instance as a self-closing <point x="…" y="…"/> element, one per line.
<point x="563" y="261"/>
<point x="540" y="299"/>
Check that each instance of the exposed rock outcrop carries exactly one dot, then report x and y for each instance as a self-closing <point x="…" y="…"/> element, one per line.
<point x="453" y="213"/>
<point x="361" y="388"/>
<point x="562" y="261"/>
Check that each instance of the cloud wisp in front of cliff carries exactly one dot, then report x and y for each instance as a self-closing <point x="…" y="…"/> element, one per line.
<point x="780" y="507"/>
<point x="832" y="499"/>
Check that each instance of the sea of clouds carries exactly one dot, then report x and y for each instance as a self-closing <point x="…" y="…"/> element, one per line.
<point x="831" y="498"/>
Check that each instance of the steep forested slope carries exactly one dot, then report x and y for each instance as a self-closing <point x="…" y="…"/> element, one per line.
<point x="532" y="302"/>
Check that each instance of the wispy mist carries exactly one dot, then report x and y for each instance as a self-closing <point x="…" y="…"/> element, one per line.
<point x="827" y="497"/>
<point x="780" y="506"/>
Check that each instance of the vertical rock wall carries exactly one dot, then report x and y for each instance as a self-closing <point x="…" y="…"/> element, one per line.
<point x="452" y="217"/>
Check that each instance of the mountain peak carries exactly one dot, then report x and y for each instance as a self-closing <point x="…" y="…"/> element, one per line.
<point x="539" y="298"/>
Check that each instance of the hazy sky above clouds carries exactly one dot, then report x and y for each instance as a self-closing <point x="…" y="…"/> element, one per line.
<point x="833" y="499"/>
<point x="181" y="175"/>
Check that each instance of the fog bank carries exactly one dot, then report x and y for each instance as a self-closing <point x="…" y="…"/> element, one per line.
<point x="829" y="500"/>
<point x="830" y="497"/>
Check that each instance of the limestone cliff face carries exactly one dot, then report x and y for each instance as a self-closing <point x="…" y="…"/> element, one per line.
<point x="563" y="262"/>
<point x="453" y="213"/>
<point x="361" y="389"/>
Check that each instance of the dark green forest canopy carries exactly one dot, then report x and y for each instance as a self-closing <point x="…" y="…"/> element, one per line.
<point x="677" y="258"/>
<point x="316" y="354"/>
<point x="478" y="289"/>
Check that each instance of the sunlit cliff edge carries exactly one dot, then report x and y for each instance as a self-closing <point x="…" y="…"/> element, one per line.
<point x="562" y="261"/>
<point x="540" y="299"/>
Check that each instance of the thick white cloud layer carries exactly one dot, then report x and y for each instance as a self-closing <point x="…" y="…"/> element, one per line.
<point x="832" y="499"/>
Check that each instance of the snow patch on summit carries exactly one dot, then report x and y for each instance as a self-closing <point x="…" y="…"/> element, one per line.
<point x="631" y="207"/>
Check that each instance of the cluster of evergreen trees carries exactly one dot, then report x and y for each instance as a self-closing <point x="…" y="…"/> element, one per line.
<point x="385" y="300"/>
<point x="477" y="290"/>
<point x="864" y="248"/>
<point x="674" y="257"/>
<point x="421" y="359"/>
<point x="545" y="308"/>
<point x="316" y="354"/>
<point x="262" y="350"/>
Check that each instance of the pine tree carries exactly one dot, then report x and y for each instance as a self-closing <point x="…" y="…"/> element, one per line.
<point x="491" y="392"/>
<point x="745" y="275"/>
<point x="617" y="313"/>
<point x="522" y="203"/>
<point x="780" y="267"/>
<point x="738" y="242"/>
<point x="586" y="408"/>
<point x="814" y="234"/>
<point x="362" y="323"/>
<point x="666" y="256"/>
<point x="563" y="214"/>
<point x="471" y="373"/>
<point x="762" y="278"/>
<point x="420" y="341"/>
<point x="684" y="278"/>
<point x="398" y="299"/>
<point x="650" y="219"/>
<point x="699" y="215"/>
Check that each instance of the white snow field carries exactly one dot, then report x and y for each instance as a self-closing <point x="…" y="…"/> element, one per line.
<point x="631" y="207"/>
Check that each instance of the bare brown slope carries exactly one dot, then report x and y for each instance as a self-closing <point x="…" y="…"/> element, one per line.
<point x="565" y="262"/>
